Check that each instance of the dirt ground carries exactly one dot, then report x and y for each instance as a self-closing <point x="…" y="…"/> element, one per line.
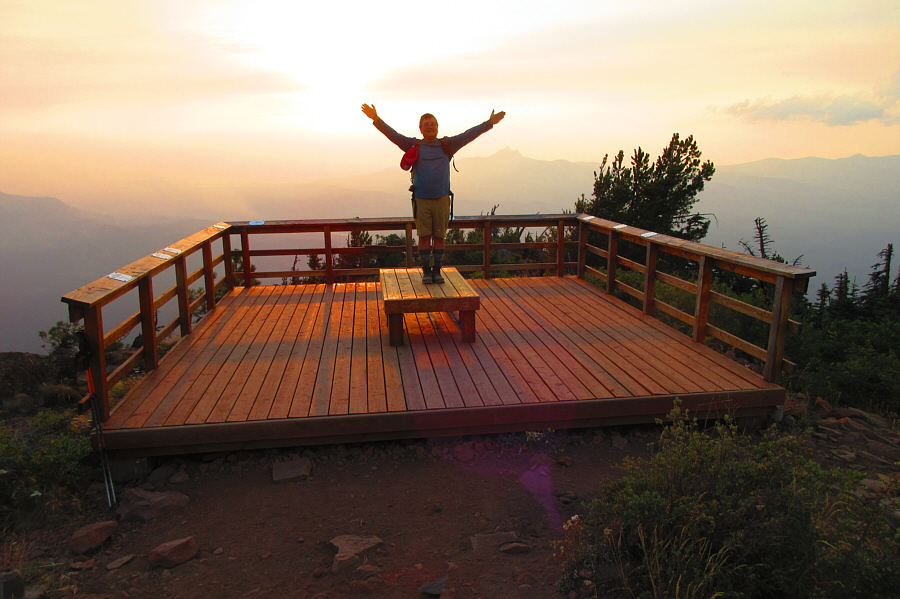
<point x="430" y="502"/>
<point x="425" y="500"/>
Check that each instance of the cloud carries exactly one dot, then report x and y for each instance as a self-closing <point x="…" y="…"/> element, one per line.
<point x="132" y="68"/>
<point x="832" y="110"/>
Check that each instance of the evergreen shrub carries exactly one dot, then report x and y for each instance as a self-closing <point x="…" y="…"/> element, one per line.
<point x="720" y="514"/>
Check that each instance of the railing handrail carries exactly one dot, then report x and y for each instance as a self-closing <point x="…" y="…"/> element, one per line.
<point x="106" y="289"/>
<point x="87" y="302"/>
<point x="696" y="250"/>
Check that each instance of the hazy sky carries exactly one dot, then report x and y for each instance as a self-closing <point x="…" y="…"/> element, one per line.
<point x="101" y="96"/>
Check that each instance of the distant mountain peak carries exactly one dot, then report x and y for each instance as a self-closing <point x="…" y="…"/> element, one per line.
<point x="507" y="152"/>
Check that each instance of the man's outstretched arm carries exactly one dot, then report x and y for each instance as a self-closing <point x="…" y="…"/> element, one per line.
<point x="463" y="139"/>
<point x="401" y="141"/>
<point x="369" y="111"/>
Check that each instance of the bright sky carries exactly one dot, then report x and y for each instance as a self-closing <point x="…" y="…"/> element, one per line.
<point x="106" y="94"/>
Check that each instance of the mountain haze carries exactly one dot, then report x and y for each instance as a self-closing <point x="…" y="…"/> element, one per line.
<point x="49" y="248"/>
<point x="837" y="214"/>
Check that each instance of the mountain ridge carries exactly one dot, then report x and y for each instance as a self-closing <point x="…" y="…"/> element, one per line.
<point x="834" y="212"/>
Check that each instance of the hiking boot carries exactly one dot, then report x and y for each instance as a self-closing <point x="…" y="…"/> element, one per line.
<point x="428" y="274"/>
<point x="437" y="278"/>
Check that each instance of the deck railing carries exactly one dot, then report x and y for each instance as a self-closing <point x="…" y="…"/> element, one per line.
<point x="567" y="243"/>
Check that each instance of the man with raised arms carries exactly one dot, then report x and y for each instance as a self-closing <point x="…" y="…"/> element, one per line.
<point x="429" y="158"/>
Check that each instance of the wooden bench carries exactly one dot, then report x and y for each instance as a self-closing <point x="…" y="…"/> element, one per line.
<point x="404" y="292"/>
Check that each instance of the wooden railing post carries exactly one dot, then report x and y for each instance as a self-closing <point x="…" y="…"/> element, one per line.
<point x="612" y="261"/>
<point x="329" y="262"/>
<point x="148" y="324"/>
<point x="245" y="256"/>
<point x="561" y="249"/>
<point x="582" y="249"/>
<point x="229" y="261"/>
<point x="650" y="277"/>
<point x="181" y="289"/>
<point x="93" y="335"/>
<point x="208" y="279"/>
<point x="486" y="244"/>
<point x="780" y="314"/>
<point x="701" y="308"/>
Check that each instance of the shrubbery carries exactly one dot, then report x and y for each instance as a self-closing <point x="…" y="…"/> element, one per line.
<point x="720" y="514"/>
<point x="38" y="463"/>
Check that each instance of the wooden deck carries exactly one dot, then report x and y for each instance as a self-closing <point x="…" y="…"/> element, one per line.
<point x="309" y="364"/>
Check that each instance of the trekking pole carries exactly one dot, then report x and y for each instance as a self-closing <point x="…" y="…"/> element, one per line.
<point x="97" y="426"/>
<point x="82" y="358"/>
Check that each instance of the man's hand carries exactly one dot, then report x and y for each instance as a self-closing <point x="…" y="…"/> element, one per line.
<point x="369" y="111"/>
<point x="495" y="118"/>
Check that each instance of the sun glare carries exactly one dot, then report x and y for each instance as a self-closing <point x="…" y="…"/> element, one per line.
<point x="335" y="49"/>
<point x="332" y="54"/>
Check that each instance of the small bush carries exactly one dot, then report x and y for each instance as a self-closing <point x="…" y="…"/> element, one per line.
<point x="718" y="514"/>
<point x="37" y="465"/>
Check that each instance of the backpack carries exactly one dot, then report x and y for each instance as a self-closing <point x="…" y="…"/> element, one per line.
<point x="411" y="155"/>
<point x="408" y="161"/>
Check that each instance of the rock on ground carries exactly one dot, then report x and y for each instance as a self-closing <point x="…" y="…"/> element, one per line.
<point x="89" y="538"/>
<point x="169" y="555"/>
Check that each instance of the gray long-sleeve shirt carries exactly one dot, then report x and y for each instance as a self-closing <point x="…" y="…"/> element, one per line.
<point x="431" y="172"/>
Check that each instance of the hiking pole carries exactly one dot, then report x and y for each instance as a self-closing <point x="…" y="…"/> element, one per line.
<point x="82" y="358"/>
<point x="97" y="426"/>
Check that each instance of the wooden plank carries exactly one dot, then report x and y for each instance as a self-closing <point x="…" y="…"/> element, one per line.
<point x="532" y="335"/>
<point x="620" y="331"/>
<point x="411" y="295"/>
<point x="435" y="384"/>
<point x="390" y="284"/>
<point x="431" y="389"/>
<point x="322" y="389"/>
<point x="583" y="348"/>
<point x="395" y="392"/>
<point x="625" y="334"/>
<point x="670" y="357"/>
<point x="376" y="366"/>
<point x="281" y="317"/>
<point x="450" y="394"/>
<point x="151" y="401"/>
<point x="566" y="352"/>
<point x="359" y="359"/>
<point x="277" y="373"/>
<point x="460" y="285"/>
<point x="503" y="342"/>
<point x="751" y="378"/>
<point x="308" y="355"/>
<point x="462" y="421"/>
<point x="224" y="392"/>
<point x="340" y="387"/>
<point x="473" y="384"/>
<point x="413" y="392"/>
<point x="207" y="372"/>
<point x="598" y="331"/>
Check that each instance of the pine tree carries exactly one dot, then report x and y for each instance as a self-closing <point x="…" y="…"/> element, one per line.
<point x="658" y="198"/>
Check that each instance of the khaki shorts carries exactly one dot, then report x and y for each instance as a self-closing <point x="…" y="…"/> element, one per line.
<point x="432" y="216"/>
